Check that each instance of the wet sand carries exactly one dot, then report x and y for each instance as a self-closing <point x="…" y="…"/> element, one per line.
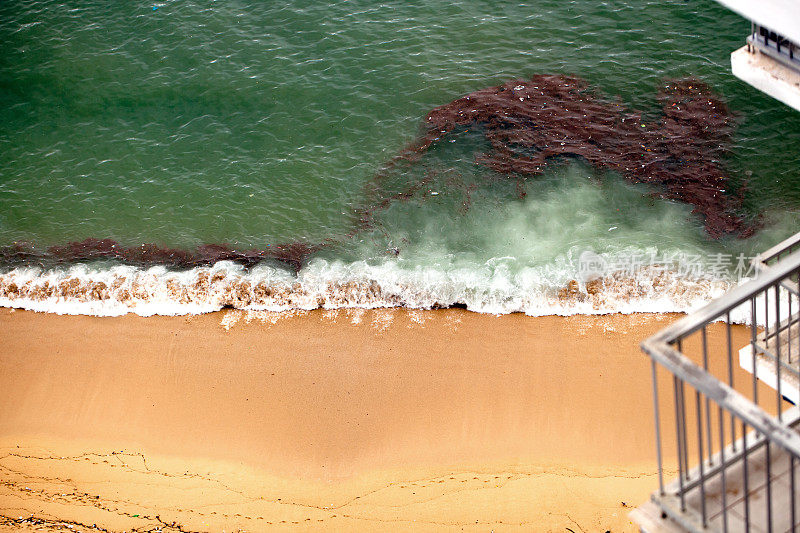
<point x="337" y="420"/>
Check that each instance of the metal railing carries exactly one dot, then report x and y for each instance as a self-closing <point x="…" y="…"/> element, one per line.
<point x="774" y="254"/>
<point x="734" y="445"/>
<point x="774" y="45"/>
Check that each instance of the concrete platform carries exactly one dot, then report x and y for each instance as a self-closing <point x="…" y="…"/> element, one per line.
<point x="768" y="75"/>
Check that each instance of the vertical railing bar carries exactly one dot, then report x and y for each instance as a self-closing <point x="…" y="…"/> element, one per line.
<point x="779" y="396"/>
<point x="766" y="313"/>
<point x="730" y="375"/>
<point x="746" y="479"/>
<point x="753" y="331"/>
<point x="793" y="503"/>
<point x="791" y="492"/>
<point x="769" y="488"/>
<point x="685" y="431"/>
<point x="679" y="442"/>
<point x="722" y="469"/>
<point x="699" y="406"/>
<point x="789" y="328"/>
<point x="658" y="429"/>
<point x="704" y="338"/>
<point x="683" y="420"/>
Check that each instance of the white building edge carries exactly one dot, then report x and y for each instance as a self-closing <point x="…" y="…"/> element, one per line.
<point x="770" y="61"/>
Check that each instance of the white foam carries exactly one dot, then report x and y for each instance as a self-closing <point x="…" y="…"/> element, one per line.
<point x="497" y="286"/>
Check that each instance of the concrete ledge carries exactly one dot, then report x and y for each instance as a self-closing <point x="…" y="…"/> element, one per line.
<point x="767" y="75"/>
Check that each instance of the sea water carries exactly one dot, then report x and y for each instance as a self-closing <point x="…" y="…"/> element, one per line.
<point x="260" y="123"/>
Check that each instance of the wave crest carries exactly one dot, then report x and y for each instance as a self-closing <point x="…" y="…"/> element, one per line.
<point x="490" y="288"/>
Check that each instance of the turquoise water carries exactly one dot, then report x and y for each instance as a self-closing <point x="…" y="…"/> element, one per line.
<point x="255" y="123"/>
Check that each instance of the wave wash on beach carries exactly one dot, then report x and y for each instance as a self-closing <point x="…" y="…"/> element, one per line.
<point x="520" y="227"/>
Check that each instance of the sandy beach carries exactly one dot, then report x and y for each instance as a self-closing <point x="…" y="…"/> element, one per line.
<point x="336" y="420"/>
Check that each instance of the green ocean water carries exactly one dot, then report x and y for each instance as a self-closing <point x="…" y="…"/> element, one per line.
<point x="253" y="123"/>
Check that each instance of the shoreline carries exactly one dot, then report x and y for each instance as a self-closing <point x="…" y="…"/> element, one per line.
<point x="363" y="419"/>
<point x="492" y="289"/>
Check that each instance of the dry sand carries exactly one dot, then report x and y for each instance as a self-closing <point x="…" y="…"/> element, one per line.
<point x="337" y="420"/>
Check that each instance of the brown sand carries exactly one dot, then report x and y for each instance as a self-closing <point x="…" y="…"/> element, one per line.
<point x="335" y="420"/>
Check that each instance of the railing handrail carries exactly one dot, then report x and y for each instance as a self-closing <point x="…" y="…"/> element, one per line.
<point x="725" y="396"/>
<point x="776" y="250"/>
<point x="727" y="302"/>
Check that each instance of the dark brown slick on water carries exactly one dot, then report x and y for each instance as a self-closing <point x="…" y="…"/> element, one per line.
<point x="529" y="123"/>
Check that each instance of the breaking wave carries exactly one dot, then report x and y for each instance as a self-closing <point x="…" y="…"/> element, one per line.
<point x="497" y="287"/>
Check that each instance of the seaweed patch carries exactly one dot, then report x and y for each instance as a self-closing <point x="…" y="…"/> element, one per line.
<point x="529" y="123"/>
